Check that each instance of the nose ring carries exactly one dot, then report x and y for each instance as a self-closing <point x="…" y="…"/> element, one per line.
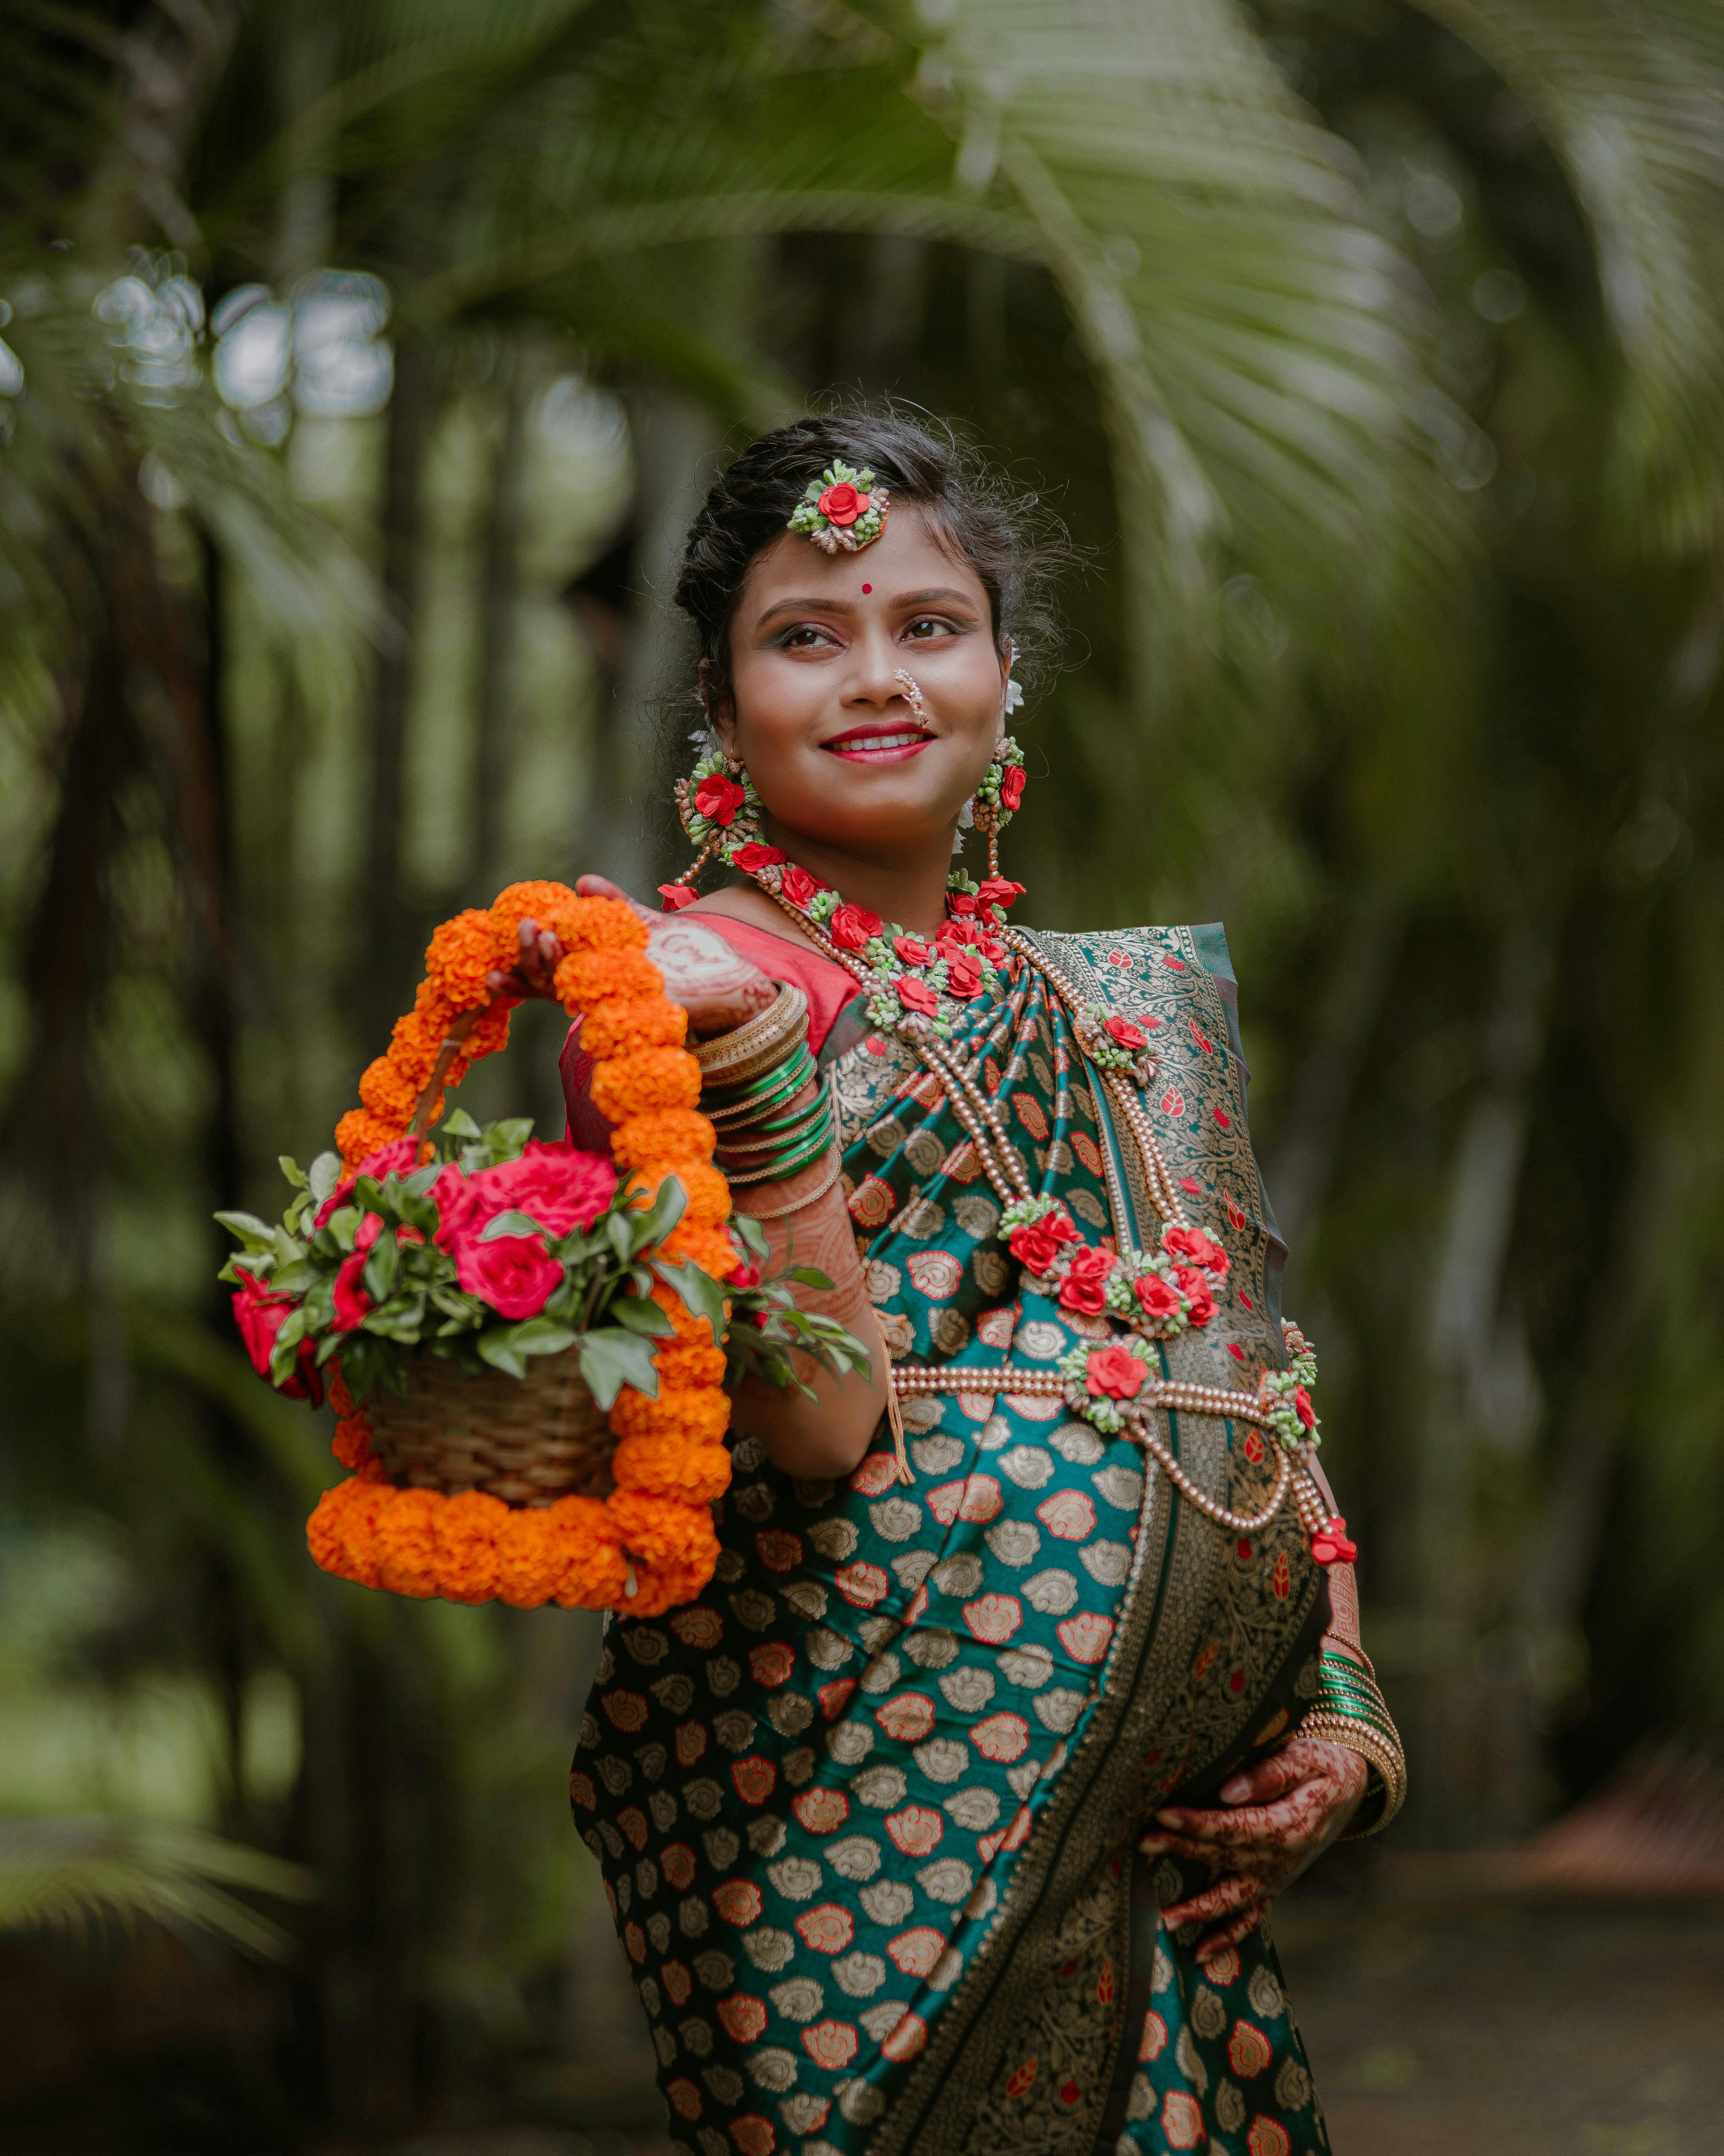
<point x="913" y="695"/>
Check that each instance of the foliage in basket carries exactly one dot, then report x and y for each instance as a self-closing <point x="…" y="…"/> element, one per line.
<point x="487" y="1250"/>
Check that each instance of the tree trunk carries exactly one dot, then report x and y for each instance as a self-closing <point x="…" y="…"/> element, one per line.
<point x="499" y="629"/>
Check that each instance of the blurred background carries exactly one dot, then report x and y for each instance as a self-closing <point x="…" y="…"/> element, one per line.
<point x="360" y="366"/>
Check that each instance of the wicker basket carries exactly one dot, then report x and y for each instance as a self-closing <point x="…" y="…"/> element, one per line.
<point x="528" y="1441"/>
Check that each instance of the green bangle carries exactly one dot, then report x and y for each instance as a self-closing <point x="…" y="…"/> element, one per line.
<point x="727" y="1104"/>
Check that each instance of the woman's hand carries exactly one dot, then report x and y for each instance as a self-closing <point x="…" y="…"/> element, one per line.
<point x="1283" y="1814"/>
<point x="715" y="985"/>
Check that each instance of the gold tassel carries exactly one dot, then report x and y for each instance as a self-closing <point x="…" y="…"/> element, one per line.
<point x="894" y="1410"/>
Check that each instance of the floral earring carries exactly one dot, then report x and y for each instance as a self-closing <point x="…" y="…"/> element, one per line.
<point x="719" y="812"/>
<point x="995" y="801"/>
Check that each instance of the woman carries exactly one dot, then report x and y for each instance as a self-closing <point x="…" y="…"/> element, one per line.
<point x="948" y="1817"/>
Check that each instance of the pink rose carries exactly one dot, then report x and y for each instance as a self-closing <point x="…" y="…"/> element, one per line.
<point x="841" y="505"/>
<point x="1158" y="1299"/>
<point x="562" y="1187"/>
<point x="1085" y="1288"/>
<point x="911" y="950"/>
<point x="918" y="996"/>
<point x="353" y="1304"/>
<point x="853" y="927"/>
<point x="719" y="799"/>
<point x="1114" y="1372"/>
<point x="261" y="1315"/>
<point x="754" y="856"/>
<point x="400" y="1158"/>
<point x="1196" y="1289"/>
<point x="515" y="1275"/>
<point x="676" y="896"/>
<point x="1012" y="786"/>
<point x="799" y="887"/>
<point x="1126" y="1034"/>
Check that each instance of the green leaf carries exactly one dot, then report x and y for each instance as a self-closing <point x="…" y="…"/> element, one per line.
<point x="420" y="1181"/>
<point x="515" y="1223"/>
<point x="541" y="1335"/>
<point x="612" y="1359"/>
<point x="750" y="1234"/>
<point x="401" y="1320"/>
<point x="296" y="1279"/>
<point x="640" y="1316"/>
<point x="458" y="1124"/>
<point x="499" y="1350"/>
<point x="380" y="1268"/>
<point x="669" y="1203"/>
<point x="292" y="1170"/>
<point x="807" y="1276"/>
<point x="702" y="1295"/>
<point x="455" y="1303"/>
<point x="254" y="1234"/>
<point x="323" y="1175"/>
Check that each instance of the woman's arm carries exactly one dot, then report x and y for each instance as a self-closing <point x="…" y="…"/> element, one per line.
<point x="719" y="989"/>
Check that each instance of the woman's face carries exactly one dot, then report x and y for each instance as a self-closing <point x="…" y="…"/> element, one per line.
<point x="832" y="739"/>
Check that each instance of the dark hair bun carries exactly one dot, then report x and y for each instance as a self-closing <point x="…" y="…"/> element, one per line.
<point x="1015" y="546"/>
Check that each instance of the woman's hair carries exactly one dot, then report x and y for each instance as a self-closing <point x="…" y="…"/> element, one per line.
<point x="1017" y="547"/>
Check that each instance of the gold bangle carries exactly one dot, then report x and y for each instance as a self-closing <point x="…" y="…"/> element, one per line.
<point x="729" y="1059"/>
<point x="784" y="1212"/>
<point x="1372" y="1746"/>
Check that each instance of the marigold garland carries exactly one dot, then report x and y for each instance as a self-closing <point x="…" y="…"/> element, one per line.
<point x="651" y="1544"/>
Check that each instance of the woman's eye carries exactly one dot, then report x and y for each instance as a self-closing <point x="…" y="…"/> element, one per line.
<point x="799" y="639"/>
<point x="928" y="625"/>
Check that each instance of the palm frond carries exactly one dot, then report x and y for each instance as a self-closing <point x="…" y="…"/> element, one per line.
<point x="74" y="1874"/>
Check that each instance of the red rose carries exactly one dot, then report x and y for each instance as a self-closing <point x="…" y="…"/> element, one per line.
<point x="964" y="978"/>
<point x="260" y="1317"/>
<point x="911" y="950"/>
<point x="853" y="927"/>
<point x="841" y="505"/>
<point x="515" y="1275"/>
<point x="745" y="1273"/>
<point x="1126" y="1034"/>
<point x="1085" y="1288"/>
<point x="1306" y="1413"/>
<point x="399" y="1158"/>
<point x="1157" y="1298"/>
<point x="1036" y="1247"/>
<point x="799" y="887"/>
<point x="352" y="1303"/>
<point x="1193" y="1244"/>
<point x="918" y="996"/>
<point x="754" y="856"/>
<point x="961" y="902"/>
<point x="1060" y="1228"/>
<point x="1114" y="1372"/>
<point x="718" y="798"/>
<point x="999" y="891"/>
<point x="676" y="896"/>
<point x="1193" y="1286"/>
<point x="1012" y="786"/>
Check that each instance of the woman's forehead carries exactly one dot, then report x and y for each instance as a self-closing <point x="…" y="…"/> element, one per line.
<point x="909" y="556"/>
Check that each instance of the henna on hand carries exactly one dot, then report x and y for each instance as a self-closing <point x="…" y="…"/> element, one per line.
<point x="1282" y="1813"/>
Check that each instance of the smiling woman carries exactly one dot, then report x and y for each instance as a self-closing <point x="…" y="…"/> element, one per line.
<point x="874" y="1811"/>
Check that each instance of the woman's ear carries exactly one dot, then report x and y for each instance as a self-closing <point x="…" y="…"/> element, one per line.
<point x="721" y="712"/>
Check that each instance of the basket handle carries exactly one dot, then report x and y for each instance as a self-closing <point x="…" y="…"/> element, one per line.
<point x="454" y="1041"/>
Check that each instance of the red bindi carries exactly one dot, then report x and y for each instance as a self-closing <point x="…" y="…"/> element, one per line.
<point x="866" y="589"/>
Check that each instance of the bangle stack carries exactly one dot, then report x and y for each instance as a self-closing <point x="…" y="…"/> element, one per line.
<point x="1350" y="1711"/>
<point x="751" y="1078"/>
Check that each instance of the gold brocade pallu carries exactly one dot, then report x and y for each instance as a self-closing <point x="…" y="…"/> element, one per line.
<point x="868" y="1811"/>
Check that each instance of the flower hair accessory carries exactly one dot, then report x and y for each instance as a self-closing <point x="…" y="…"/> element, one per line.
<point x="843" y="511"/>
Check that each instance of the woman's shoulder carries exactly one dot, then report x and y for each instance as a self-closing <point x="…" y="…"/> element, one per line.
<point x="781" y="953"/>
<point x="1154" y="973"/>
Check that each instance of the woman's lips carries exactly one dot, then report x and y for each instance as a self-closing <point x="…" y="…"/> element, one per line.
<point x="879" y="745"/>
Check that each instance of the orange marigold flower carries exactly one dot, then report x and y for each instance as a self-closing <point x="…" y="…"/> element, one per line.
<point x="432" y="1008"/>
<point x="662" y="1139"/>
<point x="459" y="955"/>
<point x="672" y="1467"/>
<point x="412" y="1049"/>
<point x="406" y="1542"/>
<point x="544" y="902"/>
<point x="339" y="1399"/>
<point x="531" y="1557"/>
<point x="707" y="1193"/>
<point x="489" y="1036"/>
<point x="361" y="1131"/>
<point x="387" y="1092"/>
<point x="467" y="1530"/>
<point x="662" y="1530"/>
<point x="684" y="1323"/>
<point x="594" y="1571"/>
<point x="658" y="1589"/>
<point x="636" y="1085"/>
<point x="342" y="1534"/>
<point x="619" y="1025"/>
<point x="709" y="1248"/>
<point x="586" y="978"/>
<point x="600" y="924"/>
<point x="351" y="1443"/>
<point x="689" y="1363"/>
<point x="700" y="1414"/>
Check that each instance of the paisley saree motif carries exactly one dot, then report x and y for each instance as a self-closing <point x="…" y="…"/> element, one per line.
<point x="867" y="1812"/>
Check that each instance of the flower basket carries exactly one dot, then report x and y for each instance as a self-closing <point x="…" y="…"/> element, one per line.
<point x="527" y="1347"/>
